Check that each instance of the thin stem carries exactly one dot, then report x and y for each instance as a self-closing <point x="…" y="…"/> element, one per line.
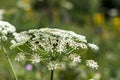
<point x="71" y="51"/>
<point x="52" y="74"/>
<point x="10" y="63"/>
<point x="19" y="49"/>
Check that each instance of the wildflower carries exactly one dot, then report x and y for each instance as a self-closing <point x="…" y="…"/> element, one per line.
<point x="19" y="39"/>
<point x="29" y="67"/>
<point x="75" y="58"/>
<point x="53" y="65"/>
<point x="61" y="46"/>
<point x="35" y="58"/>
<point x="113" y="12"/>
<point x="20" y="56"/>
<point x="24" y="4"/>
<point x="4" y="32"/>
<point x="6" y="28"/>
<point x="92" y="64"/>
<point x="54" y="44"/>
<point x="13" y="42"/>
<point x="93" y="46"/>
<point x="4" y="38"/>
<point x="67" y="5"/>
<point x="98" y="19"/>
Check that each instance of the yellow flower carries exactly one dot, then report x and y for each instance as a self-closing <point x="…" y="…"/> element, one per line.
<point x="116" y="23"/>
<point x="98" y="19"/>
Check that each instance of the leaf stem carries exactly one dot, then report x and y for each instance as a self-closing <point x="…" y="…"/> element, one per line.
<point x="10" y="63"/>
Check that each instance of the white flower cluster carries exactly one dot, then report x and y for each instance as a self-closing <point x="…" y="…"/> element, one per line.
<point x="5" y="29"/>
<point x="19" y="39"/>
<point x="25" y="4"/>
<point x="92" y="64"/>
<point x="53" y="65"/>
<point x="93" y="46"/>
<point x="75" y="58"/>
<point x="50" y="44"/>
<point x="20" y="56"/>
<point x="35" y="58"/>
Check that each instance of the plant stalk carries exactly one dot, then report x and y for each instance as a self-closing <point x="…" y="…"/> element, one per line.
<point x="52" y="74"/>
<point x="10" y="63"/>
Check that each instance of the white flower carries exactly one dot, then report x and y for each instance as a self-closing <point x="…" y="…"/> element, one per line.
<point x="75" y="58"/>
<point x="93" y="46"/>
<point x="6" y="27"/>
<point x="64" y="33"/>
<point x="51" y="39"/>
<point x="20" y="57"/>
<point x="35" y="58"/>
<point x="19" y="39"/>
<point x="83" y="45"/>
<point x="53" y="65"/>
<point x="61" y="45"/>
<point x="4" y="38"/>
<point x="92" y="64"/>
<point x="23" y="4"/>
<point x="113" y="12"/>
<point x="54" y="43"/>
<point x="76" y="45"/>
<point x="13" y="42"/>
<point x="4" y="32"/>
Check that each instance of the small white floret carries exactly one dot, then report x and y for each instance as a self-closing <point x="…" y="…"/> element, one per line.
<point x="92" y="64"/>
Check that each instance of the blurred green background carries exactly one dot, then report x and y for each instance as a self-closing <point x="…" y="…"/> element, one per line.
<point x="98" y="20"/>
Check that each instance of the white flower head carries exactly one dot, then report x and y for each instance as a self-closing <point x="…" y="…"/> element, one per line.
<point x="92" y="64"/>
<point x="24" y="4"/>
<point x="7" y="27"/>
<point x="4" y="32"/>
<point x="61" y="47"/>
<point x="83" y="45"/>
<point x="75" y="58"/>
<point x="4" y="38"/>
<point x="19" y="39"/>
<point x="53" y="65"/>
<point x="20" y="56"/>
<point x="13" y="42"/>
<point x="35" y="58"/>
<point x="93" y="46"/>
<point x="54" y="43"/>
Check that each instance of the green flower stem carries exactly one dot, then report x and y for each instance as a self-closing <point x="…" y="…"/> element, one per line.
<point x="10" y="63"/>
<point x="52" y="74"/>
<point x="70" y="51"/>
